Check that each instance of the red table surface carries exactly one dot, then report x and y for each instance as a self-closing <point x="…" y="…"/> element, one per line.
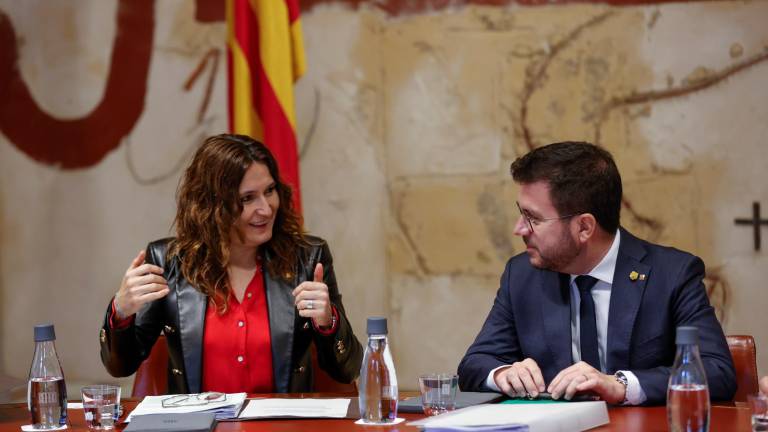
<point x="724" y="417"/>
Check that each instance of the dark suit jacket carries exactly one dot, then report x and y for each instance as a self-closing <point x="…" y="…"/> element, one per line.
<point x="531" y="316"/>
<point x="181" y="315"/>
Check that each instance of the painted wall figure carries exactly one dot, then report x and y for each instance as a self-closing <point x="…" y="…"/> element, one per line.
<point x="82" y="142"/>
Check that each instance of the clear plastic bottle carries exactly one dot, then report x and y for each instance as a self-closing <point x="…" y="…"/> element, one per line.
<point x="688" y="392"/>
<point x="378" y="382"/>
<point x="46" y="390"/>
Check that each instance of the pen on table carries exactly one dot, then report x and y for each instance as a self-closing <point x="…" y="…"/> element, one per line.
<point x="576" y="398"/>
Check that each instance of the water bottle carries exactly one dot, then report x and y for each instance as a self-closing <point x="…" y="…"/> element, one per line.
<point x="378" y="382"/>
<point x="687" y="392"/>
<point x="46" y="391"/>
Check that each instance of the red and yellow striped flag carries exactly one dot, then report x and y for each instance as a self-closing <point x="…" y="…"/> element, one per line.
<point x="265" y="54"/>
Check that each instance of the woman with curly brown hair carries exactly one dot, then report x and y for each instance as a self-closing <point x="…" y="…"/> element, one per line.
<point x="241" y="292"/>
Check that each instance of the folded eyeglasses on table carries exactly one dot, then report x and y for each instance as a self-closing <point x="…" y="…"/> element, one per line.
<point x="199" y="399"/>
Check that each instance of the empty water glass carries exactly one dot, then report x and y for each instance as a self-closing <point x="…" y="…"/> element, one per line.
<point x="438" y="392"/>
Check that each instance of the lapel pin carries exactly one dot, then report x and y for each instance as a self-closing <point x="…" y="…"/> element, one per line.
<point x="633" y="276"/>
<point x="642" y="277"/>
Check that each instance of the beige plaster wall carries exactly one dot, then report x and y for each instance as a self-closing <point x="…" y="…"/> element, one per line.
<point x="407" y="128"/>
<point x="446" y="100"/>
<point x="66" y="237"/>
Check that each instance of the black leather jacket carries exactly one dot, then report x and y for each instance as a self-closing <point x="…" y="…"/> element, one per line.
<point x="181" y="315"/>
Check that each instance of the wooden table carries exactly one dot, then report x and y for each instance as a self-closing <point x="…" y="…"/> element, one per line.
<point x="724" y="417"/>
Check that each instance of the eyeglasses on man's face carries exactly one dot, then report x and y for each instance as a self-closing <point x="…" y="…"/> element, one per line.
<point x="531" y="221"/>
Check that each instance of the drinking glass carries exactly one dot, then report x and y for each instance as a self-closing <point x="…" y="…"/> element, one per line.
<point x="759" y="405"/>
<point x="438" y="392"/>
<point x="101" y="404"/>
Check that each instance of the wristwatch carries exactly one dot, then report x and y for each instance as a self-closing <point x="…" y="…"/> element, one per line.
<point x="622" y="379"/>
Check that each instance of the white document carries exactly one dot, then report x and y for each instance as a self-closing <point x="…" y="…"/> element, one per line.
<point x="277" y="407"/>
<point x="227" y="408"/>
<point x="554" y="417"/>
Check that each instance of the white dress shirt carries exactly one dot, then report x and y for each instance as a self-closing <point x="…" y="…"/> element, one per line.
<point x="601" y="294"/>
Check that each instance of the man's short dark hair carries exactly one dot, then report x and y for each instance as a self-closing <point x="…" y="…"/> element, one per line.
<point x="582" y="178"/>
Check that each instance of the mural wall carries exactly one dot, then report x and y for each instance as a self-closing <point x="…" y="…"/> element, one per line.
<point x="408" y="120"/>
<point x="103" y="103"/>
<point x="431" y="107"/>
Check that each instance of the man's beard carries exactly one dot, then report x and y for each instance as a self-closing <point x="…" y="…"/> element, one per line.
<point x="558" y="257"/>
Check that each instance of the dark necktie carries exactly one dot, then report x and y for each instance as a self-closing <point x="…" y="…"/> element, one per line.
<point x="588" y="322"/>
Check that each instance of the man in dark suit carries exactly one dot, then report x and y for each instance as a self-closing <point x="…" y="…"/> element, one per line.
<point x="589" y="308"/>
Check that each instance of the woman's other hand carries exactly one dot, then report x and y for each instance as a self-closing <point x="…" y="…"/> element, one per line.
<point x="312" y="301"/>
<point x="141" y="284"/>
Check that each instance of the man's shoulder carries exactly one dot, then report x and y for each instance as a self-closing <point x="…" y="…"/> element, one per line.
<point x="519" y="269"/>
<point x="653" y="253"/>
<point x="520" y="262"/>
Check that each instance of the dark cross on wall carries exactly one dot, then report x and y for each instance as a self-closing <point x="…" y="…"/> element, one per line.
<point x="756" y="223"/>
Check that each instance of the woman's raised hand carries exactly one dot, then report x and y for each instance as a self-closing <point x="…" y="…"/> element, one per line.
<point x="141" y="284"/>
<point x="312" y="301"/>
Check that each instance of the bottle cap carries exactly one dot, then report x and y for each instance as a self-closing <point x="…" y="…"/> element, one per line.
<point x="687" y="335"/>
<point x="44" y="332"/>
<point x="377" y="325"/>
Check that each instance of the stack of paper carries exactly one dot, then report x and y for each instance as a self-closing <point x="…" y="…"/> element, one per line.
<point x="494" y="428"/>
<point x="551" y="417"/>
<point x="292" y="408"/>
<point x="227" y="408"/>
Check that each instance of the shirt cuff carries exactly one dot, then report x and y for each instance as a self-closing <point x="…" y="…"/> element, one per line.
<point x="334" y="323"/>
<point x="635" y="394"/>
<point x="490" y="383"/>
<point x="115" y="322"/>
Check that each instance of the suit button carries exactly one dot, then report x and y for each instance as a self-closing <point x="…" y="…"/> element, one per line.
<point x="103" y="336"/>
<point x="176" y="372"/>
<point x="169" y="330"/>
<point x="300" y="369"/>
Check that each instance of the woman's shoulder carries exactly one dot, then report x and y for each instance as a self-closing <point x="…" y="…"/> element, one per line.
<point x="158" y="249"/>
<point x="163" y="242"/>
<point x="314" y="249"/>
<point x="314" y="241"/>
<point x="315" y="246"/>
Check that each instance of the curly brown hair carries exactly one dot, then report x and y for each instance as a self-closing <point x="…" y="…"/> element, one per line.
<point x="208" y="205"/>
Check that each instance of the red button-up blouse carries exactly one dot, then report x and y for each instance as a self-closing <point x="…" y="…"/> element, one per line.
<point x="237" y="346"/>
<point x="238" y="349"/>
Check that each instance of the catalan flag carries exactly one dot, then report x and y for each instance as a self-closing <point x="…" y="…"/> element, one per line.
<point x="265" y="55"/>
